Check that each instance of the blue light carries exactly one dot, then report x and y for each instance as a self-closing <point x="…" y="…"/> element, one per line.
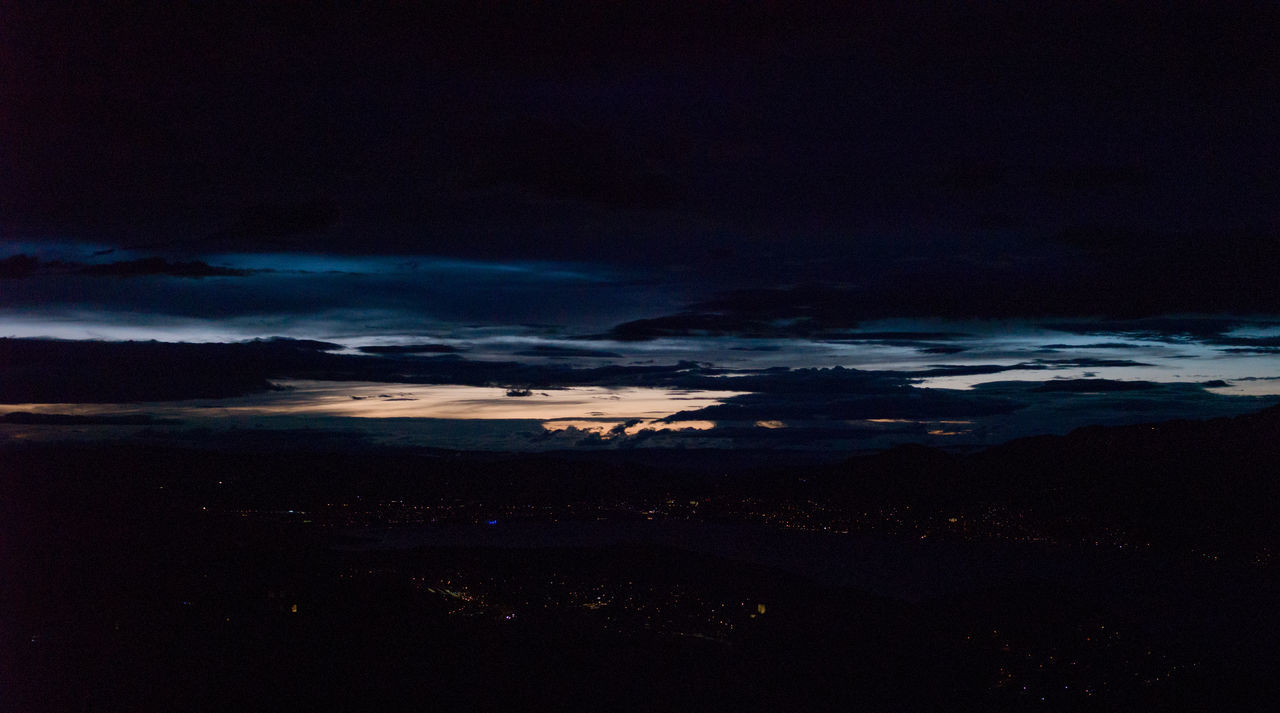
<point x="493" y="522"/>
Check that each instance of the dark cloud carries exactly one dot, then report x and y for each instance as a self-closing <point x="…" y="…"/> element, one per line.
<point x="836" y="380"/>
<point x="1223" y="270"/>
<point x="1252" y="350"/>
<point x="1095" y="345"/>
<point x="702" y="325"/>
<point x="565" y="161"/>
<point x="1251" y="342"/>
<point x="819" y="407"/>
<point x="906" y="336"/>
<point x="1162" y="329"/>
<point x="1070" y="181"/>
<point x="411" y="349"/>
<point x="555" y="352"/>
<point x="811" y="311"/>
<point x="51" y="371"/>
<point x="89" y="371"/>
<point x="19" y="266"/>
<point x="1094" y="386"/>
<point x="904" y="403"/>
<point x="813" y="306"/>
<point x="1035" y="365"/>
<point x="274" y="221"/>
<point x="971" y="369"/>
<point x="1087" y="362"/>
<point x="1210" y="331"/>
<point x="354" y="296"/>
<point x="925" y="342"/>
<point x="621" y="428"/>
<point x="797" y="144"/>
<point x="64" y="419"/>
<point x="161" y="266"/>
<point x="809" y="432"/>
<point x="1132" y="295"/>
<point x="64" y="372"/>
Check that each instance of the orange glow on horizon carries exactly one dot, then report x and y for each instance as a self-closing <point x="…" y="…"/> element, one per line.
<point x="389" y="400"/>
<point x="605" y="428"/>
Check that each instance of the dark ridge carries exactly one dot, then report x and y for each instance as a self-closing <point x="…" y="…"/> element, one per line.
<point x="145" y="561"/>
<point x="1161" y="482"/>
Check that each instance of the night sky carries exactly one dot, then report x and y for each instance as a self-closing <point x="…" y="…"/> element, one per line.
<point x="683" y="224"/>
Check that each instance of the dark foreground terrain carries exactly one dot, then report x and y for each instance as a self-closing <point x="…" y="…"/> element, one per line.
<point x="1124" y="568"/>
